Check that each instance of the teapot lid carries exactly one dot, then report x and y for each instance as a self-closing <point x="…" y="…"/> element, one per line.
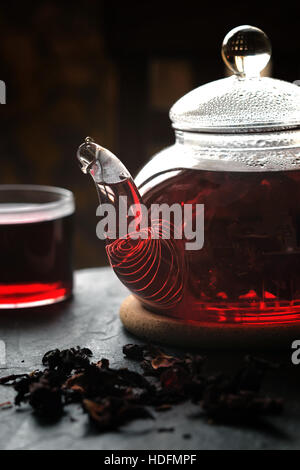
<point x="244" y="102"/>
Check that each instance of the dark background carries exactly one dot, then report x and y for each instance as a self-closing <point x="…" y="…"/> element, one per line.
<point x="112" y="70"/>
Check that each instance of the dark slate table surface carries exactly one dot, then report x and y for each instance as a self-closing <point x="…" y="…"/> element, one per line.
<point x="91" y="319"/>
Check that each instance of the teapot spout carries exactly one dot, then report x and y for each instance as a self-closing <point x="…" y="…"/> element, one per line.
<point x="144" y="261"/>
<point x="113" y="181"/>
<point x="102" y="164"/>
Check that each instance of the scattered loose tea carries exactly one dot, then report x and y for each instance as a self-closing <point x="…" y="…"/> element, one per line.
<point x="113" y="396"/>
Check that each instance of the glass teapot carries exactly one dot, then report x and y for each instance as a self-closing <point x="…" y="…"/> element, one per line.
<point x="234" y="171"/>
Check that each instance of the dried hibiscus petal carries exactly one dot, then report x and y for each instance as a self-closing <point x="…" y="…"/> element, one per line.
<point x="46" y="400"/>
<point x="112" y="397"/>
<point x="111" y="412"/>
<point x="134" y="351"/>
<point x="9" y="379"/>
<point x="164" y="361"/>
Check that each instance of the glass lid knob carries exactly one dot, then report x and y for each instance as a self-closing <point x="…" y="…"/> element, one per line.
<point x="246" y="50"/>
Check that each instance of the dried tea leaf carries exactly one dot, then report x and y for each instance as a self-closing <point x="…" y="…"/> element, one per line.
<point x="67" y="359"/>
<point x="163" y="361"/>
<point x="10" y="379"/>
<point x="112" y="397"/>
<point x="134" y="351"/>
<point x="111" y="412"/>
<point x="46" y="400"/>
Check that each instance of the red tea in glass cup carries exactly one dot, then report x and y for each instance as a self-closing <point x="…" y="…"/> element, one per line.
<point x="36" y="226"/>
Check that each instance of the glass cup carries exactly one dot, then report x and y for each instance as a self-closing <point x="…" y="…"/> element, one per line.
<point x="36" y="228"/>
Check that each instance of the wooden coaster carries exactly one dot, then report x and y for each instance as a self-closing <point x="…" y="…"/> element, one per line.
<point x="161" y="329"/>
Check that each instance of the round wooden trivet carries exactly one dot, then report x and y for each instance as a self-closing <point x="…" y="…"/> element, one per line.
<point x="161" y="329"/>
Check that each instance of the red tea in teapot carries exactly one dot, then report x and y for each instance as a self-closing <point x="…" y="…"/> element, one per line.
<point x="249" y="267"/>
